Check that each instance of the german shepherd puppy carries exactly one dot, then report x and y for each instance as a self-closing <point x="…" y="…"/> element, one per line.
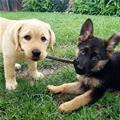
<point x="97" y="65"/>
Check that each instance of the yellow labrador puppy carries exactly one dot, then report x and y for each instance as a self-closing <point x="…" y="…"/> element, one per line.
<point x="23" y="39"/>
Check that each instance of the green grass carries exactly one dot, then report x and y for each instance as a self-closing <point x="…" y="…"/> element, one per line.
<point x="36" y="102"/>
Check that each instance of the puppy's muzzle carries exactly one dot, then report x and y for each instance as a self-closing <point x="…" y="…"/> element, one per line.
<point x="79" y="67"/>
<point x="36" y="54"/>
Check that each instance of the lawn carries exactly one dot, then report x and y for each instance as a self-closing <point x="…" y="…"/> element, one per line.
<point x="35" y="102"/>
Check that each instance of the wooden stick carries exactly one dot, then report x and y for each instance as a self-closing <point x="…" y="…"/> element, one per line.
<point x="60" y="59"/>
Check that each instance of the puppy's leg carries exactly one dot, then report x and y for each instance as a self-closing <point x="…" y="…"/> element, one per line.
<point x="77" y="102"/>
<point x="88" y="97"/>
<point x="9" y="69"/>
<point x="74" y="87"/>
<point x="32" y="69"/>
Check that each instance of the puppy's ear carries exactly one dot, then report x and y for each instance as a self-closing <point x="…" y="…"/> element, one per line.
<point x="86" y="30"/>
<point x="112" y="42"/>
<point x="16" y="29"/>
<point x="52" y="38"/>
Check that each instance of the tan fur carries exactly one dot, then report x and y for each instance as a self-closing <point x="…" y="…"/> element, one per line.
<point x="75" y="88"/>
<point x="92" y="82"/>
<point x="66" y="88"/>
<point x="76" y="102"/>
<point x="12" y="42"/>
<point x="99" y="65"/>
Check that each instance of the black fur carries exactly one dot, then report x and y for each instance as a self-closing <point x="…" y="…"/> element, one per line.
<point x="93" y="50"/>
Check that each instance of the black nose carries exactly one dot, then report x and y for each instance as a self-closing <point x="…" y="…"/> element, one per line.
<point x="78" y="65"/>
<point x="36" y="53"/>
<point x="76" y="61"/>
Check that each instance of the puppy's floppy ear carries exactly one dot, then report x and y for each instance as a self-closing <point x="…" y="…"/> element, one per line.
<point x="86" y="30"/>
<point x="52" y="38"/>
<point x="15" y="31"/>
<point x="112" y="42"/>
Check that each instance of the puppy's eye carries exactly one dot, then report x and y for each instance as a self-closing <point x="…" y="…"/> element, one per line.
<point x="43" y="39"/>
<point x="83" y="51"/>
<point x="96" y="57"/>
<point x="27" y="37"/>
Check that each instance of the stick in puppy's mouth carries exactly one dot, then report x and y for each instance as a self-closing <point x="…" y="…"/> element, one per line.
<point x="60" y="59"/>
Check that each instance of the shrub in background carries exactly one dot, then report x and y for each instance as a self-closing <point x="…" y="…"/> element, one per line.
<point x="118" y="12"/>
<point x="60" y="5"/>
<point x="111" y="7"/>
<point x="86" y="6"/>
<point x="45" y="5"/>
<point x="91" y="7"/>
<point x="95" y="7"/>
<point x="38" y="5"/>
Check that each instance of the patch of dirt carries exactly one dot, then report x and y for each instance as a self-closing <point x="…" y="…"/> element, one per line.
<point x="46" y="72"/>
<point x="24" y="74"/>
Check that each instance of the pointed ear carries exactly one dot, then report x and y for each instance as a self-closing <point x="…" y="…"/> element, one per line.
<point x="112" y="42"/>
<point x="86" y="30"/>
<point x="15" y="32"/>
<point x="52" y="38"/>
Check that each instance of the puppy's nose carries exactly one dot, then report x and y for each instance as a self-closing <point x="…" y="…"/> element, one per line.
<point x="36" y="53"/>
<point x="80" y="67"/>
<point x="76" y="61"/>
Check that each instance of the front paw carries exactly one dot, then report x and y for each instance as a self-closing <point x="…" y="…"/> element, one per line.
<point x="11" y="85"/>
<point x="65" y="107"/>
<point x="52" y="88"/>
<point x="17" y="66"/>
<point x="38" y="75"/>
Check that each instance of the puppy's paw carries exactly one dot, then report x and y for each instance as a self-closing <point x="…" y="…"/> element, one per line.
<point x="38" y="75"/>
<point x="17" y="66"/>
<point x="65" y="107"/>
<point x="52" y="88"/>
<point x="11" y="85"/>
